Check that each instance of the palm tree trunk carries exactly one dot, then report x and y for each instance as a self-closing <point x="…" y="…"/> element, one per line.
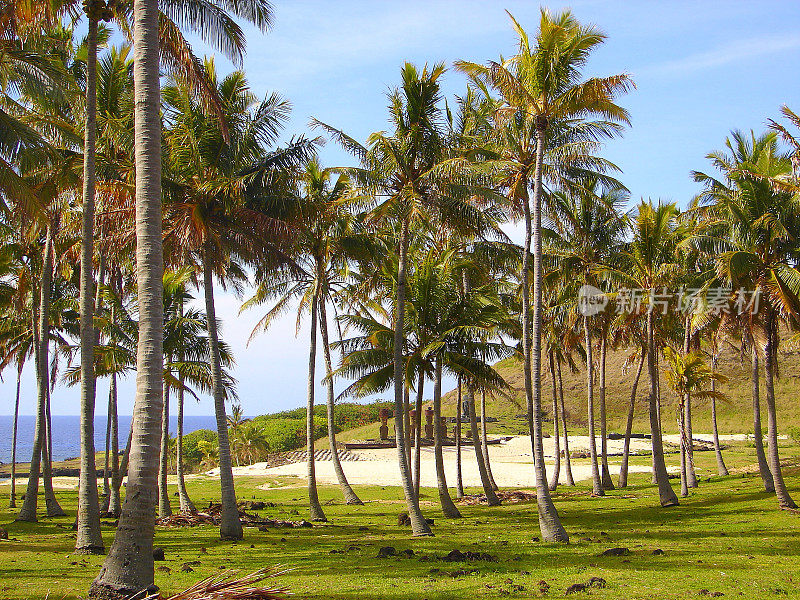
<point x="784" y="499"/>
<point x="128" y="568"/>
<point x="418" y="524"/>
<point x="567" y="459"/>
<point x="665" y="492"/>
<point x="52" y="506"/>
<point x="107" y="462"/>
<point x="230" y="527"/>
<point x="123" y="470"/>
<point x="186" y="504"/>
<point x="164" y="508"/>
<point x="29" y="504"/>
<point x="114" y="503"/>
<point x="549" y="522"/>
<point x="605" y="475"/>
<point x="448" y="507"/>
<point x="89" y="538"/>
<point x="626" y="447"/>
<point x="491" y="497"/>
<point x="556" y="442"/>
<point x="485" y="441"/>
<point x="350" y="497"/>
<point x="13" y="501"/>
<point x="758" y="436"/>
<point x="315" y="508"/>
<point x="683" y="444"/>
<point x="459" y="478"/>
<point x="418" y="431"/>
<point x="721" y="468"/>
<point x="597" y="483"/>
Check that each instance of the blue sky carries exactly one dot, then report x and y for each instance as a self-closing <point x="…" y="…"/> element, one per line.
<point x="701" y="69"/>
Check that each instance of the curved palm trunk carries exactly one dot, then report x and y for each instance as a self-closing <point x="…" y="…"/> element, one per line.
<point x="773" y="458"/>
<point x="665" y="492"/>
<point x="556" y="442"/>
<point x="691" y="476"/>
<point x="107" y="462"/>
<point x="128" y="568"/>
<point x="13" y="500"/>
<point x="567" y="459"/>
<point x="123" y="470"/>
<point x="448" y="507"/>
<point x="626" y="447"/>
<point x="418" y="432"/>
<point x="605" y="475"/>
<point x="684" y="443"/>
<point x="114" y="503"/>
<point x="485" y="441"/>
<point x="164" y="508"/>
<point x="597" y="483"/>
<point x="721" y="468"/>
<point x="230" y="527"/>
<point x="89" y="538"/>
<point x="350" y="497"/>
<point x="315" y="508"/>
<point x="50" y="501"/>
<point x="459" y="478"/>
<point x="758" y="436"/>
<point x="549" y="522"/>
<point x="29" y="504"/>
<point x="418" y="524"/>
<point x="186" y="504"/>
<point x="491" y="497"/>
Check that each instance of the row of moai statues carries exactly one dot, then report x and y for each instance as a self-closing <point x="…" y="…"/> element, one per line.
<point x="428" y="430"/>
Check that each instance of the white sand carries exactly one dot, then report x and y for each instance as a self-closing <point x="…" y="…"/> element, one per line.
<point x="511" y="464"/>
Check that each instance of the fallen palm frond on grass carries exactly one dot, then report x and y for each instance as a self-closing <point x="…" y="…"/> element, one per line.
<point x="227" y="586"/>
<point x="507" y="496"/>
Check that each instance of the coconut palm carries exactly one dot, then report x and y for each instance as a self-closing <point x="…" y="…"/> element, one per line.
<point x="647" y="264"/>
<point x="541" y="87"/>
<point x="129" y="565"/>
<point x="326" y="238"/>
<point x="755" y="221"/>
<point x="412" y="181"/>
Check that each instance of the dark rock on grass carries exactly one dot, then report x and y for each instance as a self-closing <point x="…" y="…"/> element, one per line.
<point x="163" y="569"/>
<point x="203" y="550"/>
<point x="459" y="556"/>
<point x="657" y="552"/>
<point x="616" y="552"/>
<point x="596" y="582"/>
<point x="3" y="534"/>
<point x="192" y="563"/>
<point x="544" y="587"/>
<point x="403" y="520"/>
<point x="304" y="524"/>
<point x="187" y="569"/>
<point x="387" y="551"/>
<point x="363" y="528"/>
<point x="158" y="553"/>
<point x="575" y="588"/>
<point x="407" y="553"/>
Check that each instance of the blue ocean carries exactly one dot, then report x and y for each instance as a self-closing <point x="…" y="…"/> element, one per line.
<point x="66" y="429"/>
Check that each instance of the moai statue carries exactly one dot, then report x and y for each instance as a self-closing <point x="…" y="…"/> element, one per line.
<point x="429" y="423"/>
<point x="384" y="430"/>
<point x="412" y="419"/>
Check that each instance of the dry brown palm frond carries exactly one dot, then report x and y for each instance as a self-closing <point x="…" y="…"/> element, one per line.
<point x="228" y="586"/>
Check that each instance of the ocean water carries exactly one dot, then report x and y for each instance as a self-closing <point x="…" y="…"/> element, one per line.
<point x="66" y="434"/>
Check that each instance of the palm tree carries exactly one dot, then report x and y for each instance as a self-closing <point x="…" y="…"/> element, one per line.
<point x="541" y="88"/>
<point x="129" y="565"/>
<point x="411" y="180"/>
<point x="587" y="229"/>
<point x="688" y="375"/>
<point x="647" y="265"/>
<point x="755" y="219"/>
<point x="326" y="238"/>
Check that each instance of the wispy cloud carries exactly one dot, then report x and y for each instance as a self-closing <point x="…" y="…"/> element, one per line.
<point x="727" y="54"/>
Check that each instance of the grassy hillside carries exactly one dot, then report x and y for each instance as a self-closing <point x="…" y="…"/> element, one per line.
<point x="733" y="416"/>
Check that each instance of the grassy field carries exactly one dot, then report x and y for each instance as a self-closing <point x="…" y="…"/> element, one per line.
<point x="727" y="537"/>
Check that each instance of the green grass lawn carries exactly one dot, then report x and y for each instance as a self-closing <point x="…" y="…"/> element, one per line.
<point x="727" y="537"/>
